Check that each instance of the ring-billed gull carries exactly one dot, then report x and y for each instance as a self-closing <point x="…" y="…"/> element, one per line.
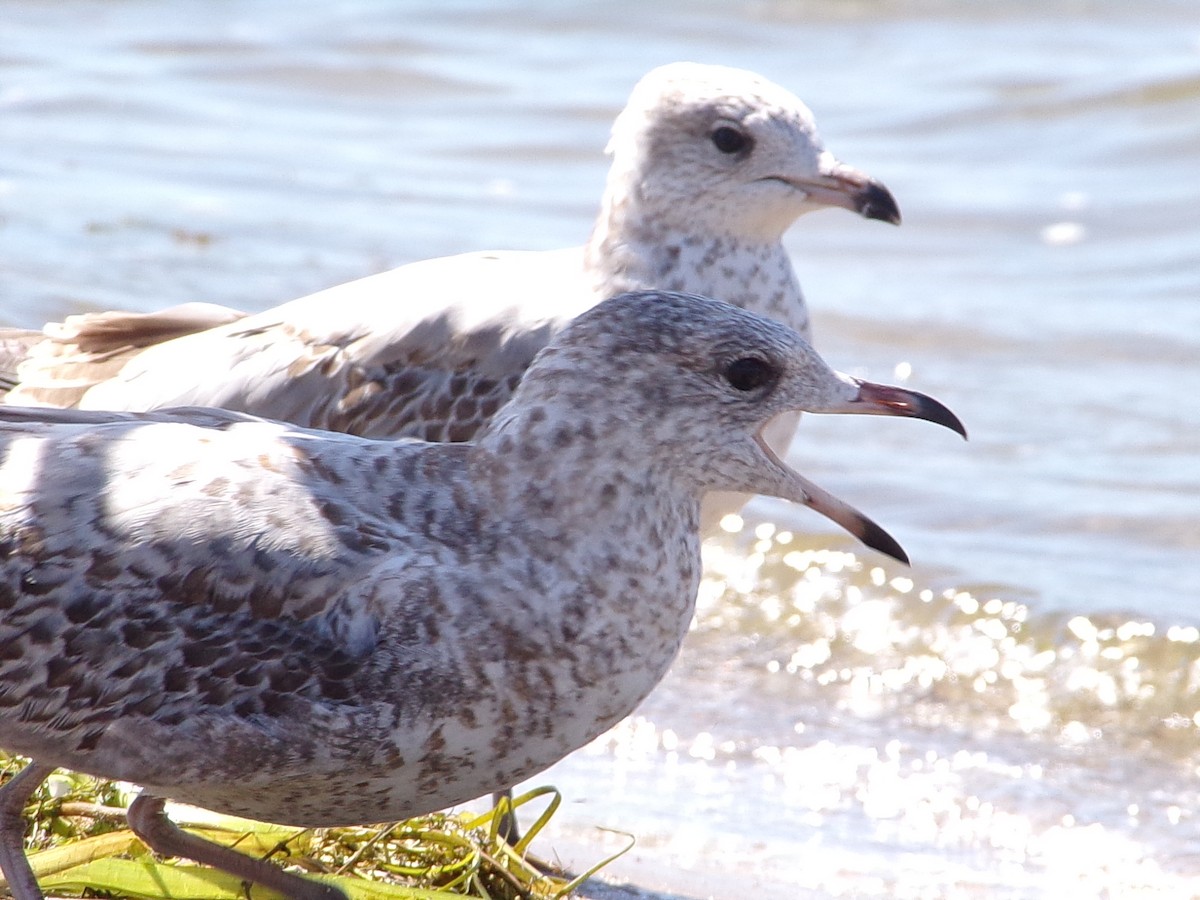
<point x="319" y="629"/>
<point x="710" y="166"/>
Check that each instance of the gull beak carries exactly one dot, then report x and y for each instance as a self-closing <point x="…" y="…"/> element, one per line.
<point x="776" y="479"/>
<point x="788" y="484"/>
<point x="849" y="188"/>
<point x="884" y="400"/>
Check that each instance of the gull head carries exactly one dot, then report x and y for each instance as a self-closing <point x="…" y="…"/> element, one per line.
<point x="681" y="387"/>
<point x="702" y="146"/>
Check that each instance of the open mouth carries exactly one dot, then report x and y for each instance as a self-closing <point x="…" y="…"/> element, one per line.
<point x="800" y="490"/>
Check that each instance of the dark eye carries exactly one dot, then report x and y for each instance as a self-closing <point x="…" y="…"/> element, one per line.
<point x="730" y="140"/>
<point x="750" y="372"/>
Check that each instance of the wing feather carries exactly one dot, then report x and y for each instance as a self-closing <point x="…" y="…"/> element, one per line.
<point x="422" y="350"/>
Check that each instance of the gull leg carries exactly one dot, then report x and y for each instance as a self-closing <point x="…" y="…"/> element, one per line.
<point x="507" y="827"/>
<point x="148" y="821"/>
<point x="22" y="883"/>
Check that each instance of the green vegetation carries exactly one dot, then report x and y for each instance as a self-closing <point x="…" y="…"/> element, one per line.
<point x="78" y="845"/>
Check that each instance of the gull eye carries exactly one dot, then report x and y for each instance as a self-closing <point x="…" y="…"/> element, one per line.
<point x="750" y="372"/>
<point x="730" y="140"/>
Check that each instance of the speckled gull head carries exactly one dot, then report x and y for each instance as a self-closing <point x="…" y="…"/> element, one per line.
<point x="702" y="379"/>
<point x="726" y="151"/>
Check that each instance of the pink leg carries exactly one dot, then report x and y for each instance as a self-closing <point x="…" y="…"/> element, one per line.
<point x="508" y="828"/>
<point x="13" y="796"/>
<point x="160" y="834"/>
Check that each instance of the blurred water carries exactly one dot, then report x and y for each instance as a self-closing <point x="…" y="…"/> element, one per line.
<point x="1021" y="719"/>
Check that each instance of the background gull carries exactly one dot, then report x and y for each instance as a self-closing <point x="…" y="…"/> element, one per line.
<point x="321" y="629"/>
<point x="710" y="166"/>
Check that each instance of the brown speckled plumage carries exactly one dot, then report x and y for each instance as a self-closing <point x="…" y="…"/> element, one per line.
<point x="322" y="629"/>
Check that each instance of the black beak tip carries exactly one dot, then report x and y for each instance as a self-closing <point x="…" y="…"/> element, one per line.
<point x="876" y="202"/>
<point x="937" y="412"/>
<point x="878" y="539"/>
<point x="940" y="414"/>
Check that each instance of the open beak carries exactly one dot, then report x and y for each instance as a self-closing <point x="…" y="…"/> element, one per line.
<point x="847" y="187"/>
<point x="791" y="485"/>
<point x="868" y="398"/>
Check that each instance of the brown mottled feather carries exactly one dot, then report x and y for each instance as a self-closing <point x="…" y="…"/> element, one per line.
<point x="58" y="365"/>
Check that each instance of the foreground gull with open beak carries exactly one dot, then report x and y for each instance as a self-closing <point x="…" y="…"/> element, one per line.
<point x="320" y="629"/>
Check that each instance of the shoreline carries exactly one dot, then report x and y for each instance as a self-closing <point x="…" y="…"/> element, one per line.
<point x="648" y="873"/>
